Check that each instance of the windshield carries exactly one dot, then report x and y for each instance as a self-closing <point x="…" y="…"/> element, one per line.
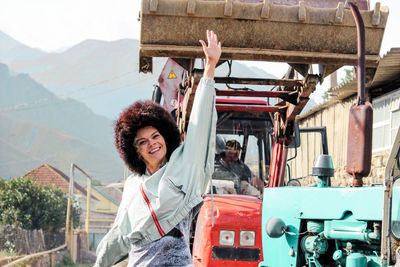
<point x="236" y="167"/>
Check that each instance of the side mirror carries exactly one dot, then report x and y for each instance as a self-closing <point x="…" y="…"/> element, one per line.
<point x="156" y="97"/>
<point x="296" y="137"/>
<point x="293" y="182"/>
<point x="275" y="227"/>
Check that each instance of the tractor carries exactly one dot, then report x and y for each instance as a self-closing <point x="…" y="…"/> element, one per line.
<point x="282" y="225"/>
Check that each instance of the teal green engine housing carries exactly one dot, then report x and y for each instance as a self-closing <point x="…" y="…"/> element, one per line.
<point x="322" y="226"/>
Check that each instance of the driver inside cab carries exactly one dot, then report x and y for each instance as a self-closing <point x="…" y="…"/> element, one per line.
<point x="231" y="175"/>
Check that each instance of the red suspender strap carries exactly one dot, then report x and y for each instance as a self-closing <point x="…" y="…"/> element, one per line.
<point x="153" y="214"/>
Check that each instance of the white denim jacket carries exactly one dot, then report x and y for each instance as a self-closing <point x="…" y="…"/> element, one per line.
<point x="153" y="205"/>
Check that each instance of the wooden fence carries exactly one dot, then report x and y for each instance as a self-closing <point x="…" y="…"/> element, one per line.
<point x="30" y="258"/>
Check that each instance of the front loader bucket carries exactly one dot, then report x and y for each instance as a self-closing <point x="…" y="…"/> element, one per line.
<point x="260" y="31"/>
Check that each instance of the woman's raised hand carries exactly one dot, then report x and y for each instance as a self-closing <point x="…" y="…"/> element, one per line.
<point x="212" y="51"/>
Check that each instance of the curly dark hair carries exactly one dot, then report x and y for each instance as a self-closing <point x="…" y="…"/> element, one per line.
<point x="139" y="115"/>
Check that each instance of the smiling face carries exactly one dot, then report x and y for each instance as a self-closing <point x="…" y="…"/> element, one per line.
<point x="151" y="147"/>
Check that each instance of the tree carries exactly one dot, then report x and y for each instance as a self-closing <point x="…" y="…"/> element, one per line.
<point x="25" y="204"/>
<point x="349" y="75"/>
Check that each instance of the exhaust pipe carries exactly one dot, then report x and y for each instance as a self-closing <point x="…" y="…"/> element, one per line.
<point x="359" y="145"/>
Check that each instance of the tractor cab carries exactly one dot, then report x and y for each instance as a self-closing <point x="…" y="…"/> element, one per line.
<point x="243" y="147"/>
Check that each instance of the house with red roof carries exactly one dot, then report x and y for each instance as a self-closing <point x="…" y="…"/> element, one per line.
<point x="46" y="174"/>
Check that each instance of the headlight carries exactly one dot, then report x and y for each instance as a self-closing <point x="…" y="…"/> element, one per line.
<point x="247" y="238"/>
<point x="226" y="238"/>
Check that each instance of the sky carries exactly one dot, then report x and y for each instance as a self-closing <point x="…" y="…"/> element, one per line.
<point x="53" y="25"/>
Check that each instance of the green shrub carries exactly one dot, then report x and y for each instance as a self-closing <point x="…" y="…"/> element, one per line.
<point x="5" y="253"/>
<point x="25" y="204"/>
<point x="67" y="260"/>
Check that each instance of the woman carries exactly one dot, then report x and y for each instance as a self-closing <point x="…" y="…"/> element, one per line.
<point x="165" y="191"/>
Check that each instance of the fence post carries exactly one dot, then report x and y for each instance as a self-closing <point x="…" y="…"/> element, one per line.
<point x="51" y="259"/>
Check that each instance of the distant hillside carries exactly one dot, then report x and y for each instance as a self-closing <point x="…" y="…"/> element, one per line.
<point x="11" y="50"/>
<point x="25" y="145"/>
<point x="54" y="130"/>
<point x="13" y="161"/>
<point x="22" y="97"/>
<point x="104" y="75"/>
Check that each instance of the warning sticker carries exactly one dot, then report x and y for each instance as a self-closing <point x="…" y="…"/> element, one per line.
<point x="172" y="75"/>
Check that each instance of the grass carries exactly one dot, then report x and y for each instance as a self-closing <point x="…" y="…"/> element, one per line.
<point x="4" y="254"/>
<point x="67" y="262"/>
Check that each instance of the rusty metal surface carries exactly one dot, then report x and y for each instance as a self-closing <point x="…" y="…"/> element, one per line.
<point x="359" y="145"/>
<point x="248" y="93"/>
<point x="278" y="163"/>
<point x="310" y="84"/>
<point x="359" y="141"/>
<point x="257" y="34"/>
<point x="336" y="59"/>
<point x="362" y="4"/>
<point x="252" y="11"/>
<point x="256" y="81"/>
<point x="170" y="31"/>
<point x="146" y="64"/>
<point x="246" y="108"/>
<point x="360" y="54"/>
<point x="288" y="96"/>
